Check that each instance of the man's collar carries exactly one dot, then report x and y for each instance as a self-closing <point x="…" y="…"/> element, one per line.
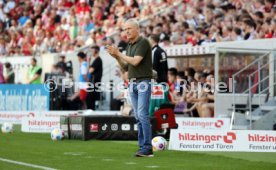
<point x="140" y="37"/>
<point x="154" y="46"/>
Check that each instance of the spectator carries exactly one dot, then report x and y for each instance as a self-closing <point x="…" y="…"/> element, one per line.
<point x="73" y="29"/>
<point x="190" y="73"/>
<point x="34" y="73"/>
<point x="54" y="69"/>
<point x="190" y="37"/>
<point x="160" y="63"/>
<point x="236" y="34"/>
<point x="83" y="79"/>
<point x="3" y="49"/>
<point x="26" y="47"/>
<point x="268" y="5"/>
<point x="92" y="38"/>
<point x="39" y="48"/>
<point x="23" y="19"/>
<point x="172" y="82"/>
<point x="249" y="30"/>
<point x="96" y="72"/>
<point x="118" y="102"/>
<point x="2" y="79"/>
<point x="77" y="19"/>
<point x="10" y="4"/>
<point x="82" y="8"/>
<point x="273" y="27"/>
<point x="62" y="64"/>
<point x="9" y="78"/>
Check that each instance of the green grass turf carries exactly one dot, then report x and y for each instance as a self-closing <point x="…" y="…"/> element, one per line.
<point x="38" y="149"/>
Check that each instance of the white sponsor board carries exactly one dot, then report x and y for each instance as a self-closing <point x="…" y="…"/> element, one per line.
<point x="12" y="117"/>
<point x="16" y="116"/>
<point x="203" y="123"/>
<point x="46" y="121"/>
<point x="40" y="124"/>
<point x="218" y="140"/>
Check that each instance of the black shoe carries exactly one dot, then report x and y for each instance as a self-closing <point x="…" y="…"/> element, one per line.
<point x="138" y="150"/>
<point x="148" y="153"/>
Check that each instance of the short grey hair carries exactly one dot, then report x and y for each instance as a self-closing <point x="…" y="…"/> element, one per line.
<point x="133" y="22"/>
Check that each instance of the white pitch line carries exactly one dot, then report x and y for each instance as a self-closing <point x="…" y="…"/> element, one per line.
<point x="153" y="166"/>
<point x="130" y="163"/>
<point x="26" y="164"/>
<point x="74" y="153"/>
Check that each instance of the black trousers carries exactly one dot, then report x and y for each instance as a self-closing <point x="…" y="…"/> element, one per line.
<point x="91" y="99"/>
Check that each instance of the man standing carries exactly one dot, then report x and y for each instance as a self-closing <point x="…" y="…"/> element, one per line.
<point x="34" y="73"/>
<point x="160" y="63"/>
<point x="83" y="79"/>
<point x="2" y="78"/>
<point x="96" y="72"/>
<point x="138" y="62"/>
<point x="62" y="64"/>
<point x="9" y="78"/>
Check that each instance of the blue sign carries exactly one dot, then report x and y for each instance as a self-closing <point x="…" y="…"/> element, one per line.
<point x="24" y="97"/>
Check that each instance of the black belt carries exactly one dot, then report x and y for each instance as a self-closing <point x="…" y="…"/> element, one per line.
<point x="137" y="80"/>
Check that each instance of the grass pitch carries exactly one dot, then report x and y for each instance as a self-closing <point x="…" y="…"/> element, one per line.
<point x="39" y="149"/>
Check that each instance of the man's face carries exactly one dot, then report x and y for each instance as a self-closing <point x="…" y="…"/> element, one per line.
<point x="171" y="77"/>
<point x="93" y="52"/>
<point x="151" y="42"/>
<point x="131" y="31"/>
<point x="32" y="62"/>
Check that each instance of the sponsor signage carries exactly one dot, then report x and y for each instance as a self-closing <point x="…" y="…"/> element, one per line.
<point x="114" y="127"/>
<point x="16" y="117"/>
<point x="94" y="127"/>
<point x="125" y="127"/>
<point x="218" y="140"/>
<point x="40" y="124"/>
<point x="157" y="92"/>
<point x="203" y="123"/>
<point x="135" y="127"/>
<point x="104" y="127"/>
<point x="76" y="127"/>
<point x="12" y="117"/>
<point x="24" y="97"/>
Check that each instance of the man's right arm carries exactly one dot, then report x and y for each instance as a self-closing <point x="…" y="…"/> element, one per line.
<point x="122" y="63"/>
<point x="156" y="58"/>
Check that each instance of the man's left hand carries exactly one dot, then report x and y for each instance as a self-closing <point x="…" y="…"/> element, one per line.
<point x="113" y="51"/>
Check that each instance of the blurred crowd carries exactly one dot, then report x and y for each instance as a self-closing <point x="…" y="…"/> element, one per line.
<point x="33" y="27"/>
<point x="192" y="92"/>
<point x="199" y="22"/>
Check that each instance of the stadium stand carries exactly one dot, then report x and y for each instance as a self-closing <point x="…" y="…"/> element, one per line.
<point x="33" y="27"/>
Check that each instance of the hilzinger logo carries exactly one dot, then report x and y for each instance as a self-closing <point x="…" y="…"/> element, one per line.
<point x="228" y="138"/>
<point x="219" y="123"/>
<point x="203" y="124"/>
<point x="261" y="138"/>
<point x="31" y="114"/>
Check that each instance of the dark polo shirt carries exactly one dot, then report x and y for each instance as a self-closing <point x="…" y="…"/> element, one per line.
<point x="144" y="69"/>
